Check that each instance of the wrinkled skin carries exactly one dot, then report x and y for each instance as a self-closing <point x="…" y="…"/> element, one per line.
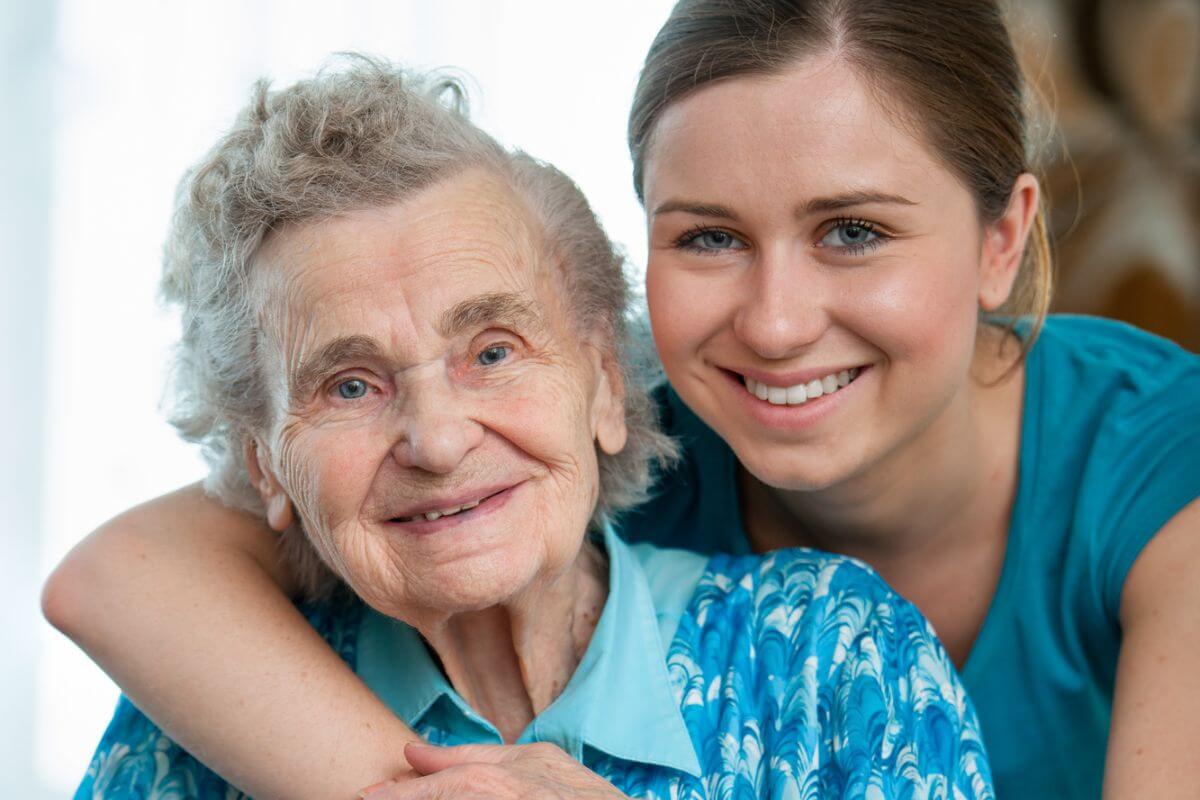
<point x="487" y="772"/>
<point x="438" y="416"/>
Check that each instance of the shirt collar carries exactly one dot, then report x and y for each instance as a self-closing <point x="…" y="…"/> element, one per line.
<point x="619" y="701"/>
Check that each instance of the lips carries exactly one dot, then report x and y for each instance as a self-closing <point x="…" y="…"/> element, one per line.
<point x="439" y="508"/>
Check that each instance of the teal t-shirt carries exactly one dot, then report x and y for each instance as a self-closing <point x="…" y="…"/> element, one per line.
<point x="1110" y="451"/>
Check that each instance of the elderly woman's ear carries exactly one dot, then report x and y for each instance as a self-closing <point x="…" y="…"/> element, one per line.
<point x="276" y="503"/>
<point x="608" y="408"/>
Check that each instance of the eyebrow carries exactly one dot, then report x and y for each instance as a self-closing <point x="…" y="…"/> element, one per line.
<point x="699" y="209"/>
<point x="313" y="369"/>
<point x="840" y="201"/>
<point x="495" y="307"/>
<point x="816" y="205"/>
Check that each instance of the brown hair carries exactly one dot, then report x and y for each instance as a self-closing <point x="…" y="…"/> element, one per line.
<point x="950" y="63"/>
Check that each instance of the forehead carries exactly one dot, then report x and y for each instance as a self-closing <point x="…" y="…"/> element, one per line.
<point x="814" y="128"/>
<point x="409" y="261"/>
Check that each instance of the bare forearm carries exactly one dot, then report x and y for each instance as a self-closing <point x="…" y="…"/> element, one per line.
<point x="191" y="621"/>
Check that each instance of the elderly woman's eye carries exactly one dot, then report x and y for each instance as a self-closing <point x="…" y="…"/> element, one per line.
<point x="493" y="355"/>
<point x="852" y="236"/>
<point x="352" y="389"/>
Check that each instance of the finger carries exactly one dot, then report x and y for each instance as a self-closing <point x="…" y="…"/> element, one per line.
<point x="448" y="785"/>
<point x="427" y="758"/>
<point x="378" y="791"/>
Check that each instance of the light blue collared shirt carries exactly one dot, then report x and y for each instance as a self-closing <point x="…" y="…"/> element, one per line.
<point x="619" y="701"/>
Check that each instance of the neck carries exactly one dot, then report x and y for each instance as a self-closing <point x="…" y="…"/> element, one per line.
<point x="511" y="661"/>
<point x="950" y="485"/>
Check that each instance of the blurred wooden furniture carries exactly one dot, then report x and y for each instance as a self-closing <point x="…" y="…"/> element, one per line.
<point x="1122" y="166"/>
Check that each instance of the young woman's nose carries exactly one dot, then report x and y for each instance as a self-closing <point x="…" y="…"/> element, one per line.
<point x="436" y="433"/>
<point x="782" y="310"/>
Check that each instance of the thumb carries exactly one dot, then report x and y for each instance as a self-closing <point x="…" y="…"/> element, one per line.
<point x="427" y="758"/>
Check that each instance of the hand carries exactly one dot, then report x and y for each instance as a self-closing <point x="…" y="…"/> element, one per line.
<point x="494" y="772"/>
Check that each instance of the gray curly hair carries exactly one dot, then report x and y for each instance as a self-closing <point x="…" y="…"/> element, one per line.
<point x="360" y="135"/>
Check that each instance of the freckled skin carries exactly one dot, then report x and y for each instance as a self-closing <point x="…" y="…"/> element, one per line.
<point x="435" y="422"/>
<point x="763" y="147"/>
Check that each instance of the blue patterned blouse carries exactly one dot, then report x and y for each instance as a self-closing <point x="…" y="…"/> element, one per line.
<point x="791" y="675"/>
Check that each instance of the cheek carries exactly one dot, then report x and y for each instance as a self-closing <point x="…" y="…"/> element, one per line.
<point x="685" y="308"/>
<point x="328" y="473"/>
<point x="547" y="417"/>
<point x="920" y="306"/>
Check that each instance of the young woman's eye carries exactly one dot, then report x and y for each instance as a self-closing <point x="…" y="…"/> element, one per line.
<point x="852" y="236"/>
<point x="493" y="355"/>
<point x="708" y="240"/>
<point x="352" y="389"/>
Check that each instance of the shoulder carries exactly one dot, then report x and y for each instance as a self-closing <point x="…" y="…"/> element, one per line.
<point x="796" y="573"/>
<point x="817" y="602"/>
<point x="820" y="660"/>
<point x="136" y="760"/>
<point x="337" y="619"/>
<point x="1113" y="438"/>
<point x="1105" y="355"/>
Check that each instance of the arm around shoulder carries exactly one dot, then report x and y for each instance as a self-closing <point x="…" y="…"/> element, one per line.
<point x="182" y="601"/>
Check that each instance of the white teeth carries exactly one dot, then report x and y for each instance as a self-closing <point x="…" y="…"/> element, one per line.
<point x="790" y="395"/>
<point x="430" y="516"/>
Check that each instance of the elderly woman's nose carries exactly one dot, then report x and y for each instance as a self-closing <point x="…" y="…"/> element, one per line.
<point x="436" y="432"/>
<point x="782" y="309"/>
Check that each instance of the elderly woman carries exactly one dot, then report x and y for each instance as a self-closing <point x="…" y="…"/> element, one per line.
<point x="405" y="348"/>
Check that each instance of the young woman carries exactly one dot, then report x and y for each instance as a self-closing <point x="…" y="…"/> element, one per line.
<point x="839" y="204"/>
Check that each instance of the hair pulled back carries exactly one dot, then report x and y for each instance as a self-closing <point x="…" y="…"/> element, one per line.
<point x="946" y="67"/>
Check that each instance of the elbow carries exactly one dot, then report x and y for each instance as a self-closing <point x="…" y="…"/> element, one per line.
<point x="63" y="596"/>
<point x="84" y="586"/>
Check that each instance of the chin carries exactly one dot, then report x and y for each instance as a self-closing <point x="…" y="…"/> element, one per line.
<point x="804" y="470"/>
<point x="475" y="587"/>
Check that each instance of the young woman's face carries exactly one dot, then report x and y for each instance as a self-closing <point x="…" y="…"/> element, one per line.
<point x="814" y="272"/>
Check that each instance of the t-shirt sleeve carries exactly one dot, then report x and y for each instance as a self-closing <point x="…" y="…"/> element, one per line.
<point x="1143" y="470"/>
<point x="902" y="722"/>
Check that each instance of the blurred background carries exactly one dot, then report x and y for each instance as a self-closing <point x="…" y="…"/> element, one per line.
<point x="104" y="106"/>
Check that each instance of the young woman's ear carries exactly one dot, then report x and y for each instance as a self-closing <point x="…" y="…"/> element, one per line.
<point x="276" y="502"/>
<point x="1004" y="243"/>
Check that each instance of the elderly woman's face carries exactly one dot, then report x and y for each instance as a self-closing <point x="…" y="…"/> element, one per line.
<point x="437" y="408"/>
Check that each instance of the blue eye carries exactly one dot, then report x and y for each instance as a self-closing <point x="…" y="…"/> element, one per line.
<point x="493" y="355"/>
<point x="708" y="240"/>
<point x="853" y="236"/>
<point x="352" y="389"/>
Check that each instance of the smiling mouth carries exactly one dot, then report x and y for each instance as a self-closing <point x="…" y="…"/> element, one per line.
<point x="430" y="516"/>
<point x="801" y="393"/>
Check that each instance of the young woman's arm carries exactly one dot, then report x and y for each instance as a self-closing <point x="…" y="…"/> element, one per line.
<point x="182" y="601"/>
<point x="1156" y="708"/>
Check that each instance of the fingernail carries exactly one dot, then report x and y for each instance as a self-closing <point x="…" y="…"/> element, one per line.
<point x="362" y="795"/>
